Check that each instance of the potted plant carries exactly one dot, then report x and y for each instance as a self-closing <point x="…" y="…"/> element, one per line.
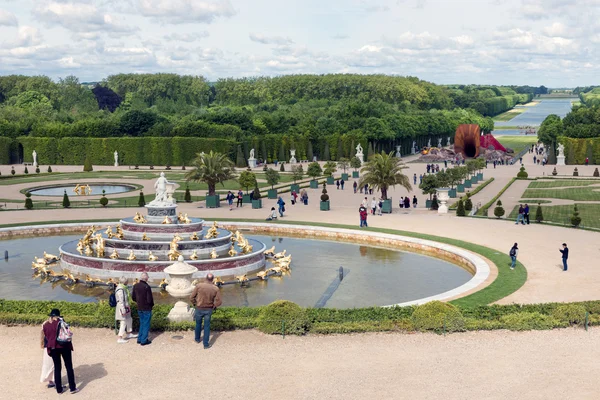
<point x="297" y="174"/>
<point x="272" y="178"/>
<point x="256" y="198"/>
<point x="461" y="174"/>
<point x="429" y="186"/>
<point x="356" y="164"/>
<point x="481" y="165"/>
<point x="324" y="206"/>
<point x="343" y="164"/>
<point x="472" y="167"/>
<point x="247" y="179"/>
<point x="211" y="168"/>
<point x="329" y="169"/>
<point x="314" y="170"/>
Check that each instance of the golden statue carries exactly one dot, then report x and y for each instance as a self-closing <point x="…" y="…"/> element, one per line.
<point x="275" y="270"/>
<point x="76" y="189"/>
<point x="152" y="257"/>
<point x="167" y="220"/>
<point x="139" y="218"/>
<point x="194" y="256"/>
<point x="213" y="254"/>
<point x="144" y="237"/>
<point x="131" y="256"/>
<point x="114" y="255"/>
<point x="120" y="235"/>
<point x="279" y="255"/>
<point x="80" y="246"/>
<point x="179" y="238"/>
<point x="88" y="235"/>
<point x="50" y="257"/>
<point x="247" y="248"/>
<point x="241" y="241"/>
<point x="218" y="281"/>
<point x="236" y="236"/>
<point x="269" y="252"/>
<point x="173" y="253"/>
<point x="99" y="245"/>
<point x="232" y="251"/>
<point x="109" y="233"/>
<point x="183" y="218"/>
<point x="242" y="279"/>
<point x="88" y="190"/>
<point x="88" y="251"/>
<point x="211" y="233"/>
<point x="194" y="236"/>
<point x="263" y="275"/>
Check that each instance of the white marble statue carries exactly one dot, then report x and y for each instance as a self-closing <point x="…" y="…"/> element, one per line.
<point x="34" y="154"/>
<point x="116" y="159"/>
<point x="251" y="153"/>
<point x="252" y="160"/>
<point x="414" y="148"/>
<point x="561" y="150"/>
<point x="439" y="143"/>
<point x="429" y="143"/>
<point x="163" y="197"/>
<point x="398" y="153"/>
<point x="359" y="153"/>
<point x="293" y="156"/>
<point x="448" y="142"/>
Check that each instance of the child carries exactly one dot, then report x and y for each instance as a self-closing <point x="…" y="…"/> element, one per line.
<point x="272" y="215"/>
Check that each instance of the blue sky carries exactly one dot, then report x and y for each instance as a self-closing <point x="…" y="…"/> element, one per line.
<point x="550" y="42"/>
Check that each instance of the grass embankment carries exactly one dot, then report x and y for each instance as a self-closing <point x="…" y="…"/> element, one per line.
<point x="508" y="115"/>
<point x="483" y="210"/>
<point x="473" y="193"/>
<point x="517" y="143"/>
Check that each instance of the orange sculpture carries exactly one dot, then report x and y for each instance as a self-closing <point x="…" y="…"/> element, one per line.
<point x="466" y="140"/>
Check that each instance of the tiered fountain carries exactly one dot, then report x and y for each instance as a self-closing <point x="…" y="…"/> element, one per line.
<point x="152" y="242"/>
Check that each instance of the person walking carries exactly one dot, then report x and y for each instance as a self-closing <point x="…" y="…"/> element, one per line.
<point x="47" y="363"/>
<point x="206" y="297"/>
<point x="373" y="205"/>
<point x="415" y="179"/>
<point x="401" y="204"/>
<point x="406" y="202"/>
<point x="414" y="201"/>
<point x="420" y="179"/>
<point x="281" y="205"/>
<point x="513" y="255"/>
<point x="354" y="186"/>
<point x="294" y="197"/>
<point x="337" y="184"/>
<point x="342" y="183"/>
<point x="123" y="311"/>
<point x="362" y="212"/>
<point x="379" y="207"/>
<point x="240" y="198"/>
<point x="565" y="255"/>
<point x="587" y="161"/>
<point x="366" y="188"/>
<point x="520" y="216"/>
<point x="370" y="189"/>
<point x="365" y="202"/>
<point x="57" y="350"/>
<point x="230" y="197"/>
<point x="142" y="295"/>
<point x="526" y="213"/>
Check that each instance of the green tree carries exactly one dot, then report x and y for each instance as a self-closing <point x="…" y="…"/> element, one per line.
<point x="66" y="203"/>
<point x="343" y="163"/>
<point x="326" y="156"/>
<point x="429" y="185"/>
<point x="499" y="210"/>
<point x="281" y="156"/>
<point x="247" y="179"/>
<point x="187" y="197"/>
<point x="87" y="165"/>
<point x="468" y="203"/>
<point x="309" y="151"/>
<point x="460" y="209"/>
<point x="575" y="218"/>
<point x="212" y="168"/>
<point x="522" y="174"/>
<point x="355" y="163"/>
<point x="383" y="171"/>
<point x="282" y="167"/>
<point x="297" y="172"/>
<point x="340" y="150"/>
<point x="28" y="201"/>
<point x="240" y="161"/>
<point x="49" y="169"/>
<point x="329" y="168"/>
<point x="256" y="193"/>
<point x="539" y="216"/>
<point x="103" y="199"/>
<point x="272" y="177"/>
<point x="314" y="170"/>
<point x="141" y="199"/>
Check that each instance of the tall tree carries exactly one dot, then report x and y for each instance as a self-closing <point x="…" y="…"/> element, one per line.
<point x="212" y="168"/>
<point x="383" y="171"/>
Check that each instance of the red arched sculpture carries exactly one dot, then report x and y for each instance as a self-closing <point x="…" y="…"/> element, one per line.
<point x="466" y="140"/>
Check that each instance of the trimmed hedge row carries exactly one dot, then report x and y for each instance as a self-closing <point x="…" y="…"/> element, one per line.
<point x="5" y="149"/>
<point x="286" y="316"/>
<point x="577" y="150"/>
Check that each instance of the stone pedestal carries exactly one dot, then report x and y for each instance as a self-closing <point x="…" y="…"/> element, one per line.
<point x="180" y="286"/>
<point x="157" y="214"/>
<point x="443" y="200"/>
<point x="560" y="160"/>
<point x="181" y="312"/>
<point x="252" y="162"/>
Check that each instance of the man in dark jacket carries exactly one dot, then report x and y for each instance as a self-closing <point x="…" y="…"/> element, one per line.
<point x="142" y="295"/>
<point x="206" y="297"/>
<point x="565" y="255"/>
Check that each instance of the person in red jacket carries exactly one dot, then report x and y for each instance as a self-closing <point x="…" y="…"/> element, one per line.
<point x="363" y="216"/>
<point x="57" y="350"/>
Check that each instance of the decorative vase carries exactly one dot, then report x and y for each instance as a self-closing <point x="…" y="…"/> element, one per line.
<point x="443" y="198"/>
<point x="180" y="286"/>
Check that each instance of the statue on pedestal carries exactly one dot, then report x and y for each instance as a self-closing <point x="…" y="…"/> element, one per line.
<point x="116" y="159"/>
<point x="429" y="143"/>
<point x="251" y="153"/>
<point x="398" y="153"/>
<point x="162" y="198"/>
<point x="448" y="142"/>
<point x="252" y="160"/>
<point x="293" y="156"/>
<point x="439" y="143"/>
<point x="414" y="148"/>
<point x="359" y="153"/>
<point x="561" y="150"/>
<point x="34" y="154"/>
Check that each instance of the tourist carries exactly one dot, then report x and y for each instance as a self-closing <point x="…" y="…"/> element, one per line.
<point x="445" y="163"/>
<point x="521" y="160"/>
<point x="366" y="188"/>
<point x="304" y="197"/>
<point x="379" y="207"/>
<point x="123" y="311"/>
<point x="513" y="255"/>
<point x="47" y="363"/>
<point x="428" y="169"/>
<point x="414" y="201"/>
<point x="437" y="168"/>
<point x="281" y="205"/>
<point x="565" y="255"/>
<point x="272" y="215"/>
<point x="365" y="203"/>
<point x="240" y="197"/>
<point x="142" y="295"/>
<point x="520" y="217"/>
<point x="373" y="206"/>
<point x="534" y="159"/>
<point x="294" y="197"/>
<point x="362" y="211"/>
<point x="526" y="213"/>
<point x="420" y="179"/>
<point x="230" y="197"/>
<point x="587" y="161"/>
<point x="406" y="202"/>
<point x="57" y="350"/>
<point x="337" y="184"/>
<point x="354" y="186"/>
<point x="342" y="183"/>
<point x="206" y="297"/>
<point x="415" y="177"/>
<point x="370" y="189"/>
<point x="401" y="205"/>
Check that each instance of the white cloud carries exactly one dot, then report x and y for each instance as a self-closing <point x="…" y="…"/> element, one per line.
<point x="279" y="40"/>
<point x="7" y="18"/>
<point x="186" y="37"/>
<point x="185" y="11"/>
<point x="78" y="17"/>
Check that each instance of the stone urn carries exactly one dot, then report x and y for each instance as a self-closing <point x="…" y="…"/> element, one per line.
<point x="180" y="286"/>
<point x="442" y="195"/>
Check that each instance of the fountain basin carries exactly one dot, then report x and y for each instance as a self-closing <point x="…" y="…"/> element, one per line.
<point x="97" y="188"/>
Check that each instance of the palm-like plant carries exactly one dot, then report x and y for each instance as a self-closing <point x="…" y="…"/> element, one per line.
<point x="383" y="171"/>
<point x="211" y="168"/>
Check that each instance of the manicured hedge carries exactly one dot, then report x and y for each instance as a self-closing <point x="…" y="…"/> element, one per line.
<point x="132" y="151"/>
<point x="5" y="148"/>
<point x="576" y="150"/>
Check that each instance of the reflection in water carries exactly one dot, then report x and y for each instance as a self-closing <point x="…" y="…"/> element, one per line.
<point x="378" y="276"/>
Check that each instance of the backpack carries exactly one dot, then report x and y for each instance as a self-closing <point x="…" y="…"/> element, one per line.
<point x="63" y="333"/>
<point x="513" y="252"/>
<point x="112" y="299"/>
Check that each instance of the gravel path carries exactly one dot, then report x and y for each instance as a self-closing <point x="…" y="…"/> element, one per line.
<point x="559" y="364"/>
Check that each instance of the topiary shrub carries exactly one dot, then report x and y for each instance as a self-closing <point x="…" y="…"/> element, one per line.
<point x="468" y="204"/>
<point x="282" y="168"/>
<point x="12" y="170"/>
<point x="256" y="193"/>
<point x="103" y="201"/>
<point x="539" y="216"/>
<point x="575" y="172"/>
<point x="265" y="168"/>
<point x="460" y="209"/>
<point x="522" y="174"/>
<point x="554" y="172"/>
<point x="26" y="171"/>
<point x="141" y="200"/>
<point x="168" y="167"/>
<point x="434" y="203"/>
<point x="28" y="201"/>
<point x="283" y="316"/>
<point x="187" y="197"/>
<point x="524" y="321"/>
<point x="438" y="316"/>
<point x="575" y="218"/>
<point x="596" y="173"/>
<point x="37" y="170"/>
<point x="324" y="196"/>
<point x="87" y="165"/>
<point x="152" y="167"/>
<point x="183" y="167"/>
<point x="499" y="210"/>
<point x="49" y="169"/>
<point x="573" y="314"/>
<point x="66" y="203"/>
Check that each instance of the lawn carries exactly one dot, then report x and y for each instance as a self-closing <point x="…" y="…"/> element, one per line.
<point x="561" y="183"/>
<point x="510" y="114"/>
<point x="517" y="143"/>
<point x="589" y="193"/>
<point x="589" y="213"/>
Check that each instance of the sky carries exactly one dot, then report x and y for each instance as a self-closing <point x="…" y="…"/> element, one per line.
<point x="555" y="43"/>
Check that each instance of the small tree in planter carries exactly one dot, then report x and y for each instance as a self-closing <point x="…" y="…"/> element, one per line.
<point x="141" y="200"/>
<point x="247" y="179"/>
<point x="256" y="198"/>
<point x="468" y="203"/>
<point x="211" y="168"/>
<point x="575" y="172"/>
<point x="273" y="179"/>
<point x="330" y="168"/>
<point x="66" y="203"/>
<point x="522" y="174"/>
<point x="28" y="201"/>
<point x="539" y="216"/>
<point x="575" y="218"/>
<point x="49" y="169"/>
<point x="343" y="164"/>
<point x="356" y="164"/>
<point x="314" y="170"/>
<point x="87" y="165"/>
<point x="324" y="206"/>
<point x="460" y="210"/>
<point x="297" y="174"/>
<point x="429" y="186"/>
<point x="499" y="210"/>
<point x="187" y="197"/>
<point x="26" y="171"/>
<point x="103" y="199"/>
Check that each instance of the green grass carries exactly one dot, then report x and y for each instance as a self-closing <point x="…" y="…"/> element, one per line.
<point x="535" y="201"/>
<point x="473" y="193"/>
<point x="575" y="194"/>
<point x="508" y="115"/>
<point x="505" y="128"/>
<point x="492" y="202"/>
<point x="589" y="213"/>
<point x="517" y="143"/>
<point x="79" y="176"/>
<point x="561" y="183"/>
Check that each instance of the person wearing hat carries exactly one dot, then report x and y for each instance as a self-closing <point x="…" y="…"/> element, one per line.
<point x="57" y="350"/>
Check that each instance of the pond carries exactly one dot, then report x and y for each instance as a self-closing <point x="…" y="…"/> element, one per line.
<point x="373" y="276"/>
<point x="96" y="189"/>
